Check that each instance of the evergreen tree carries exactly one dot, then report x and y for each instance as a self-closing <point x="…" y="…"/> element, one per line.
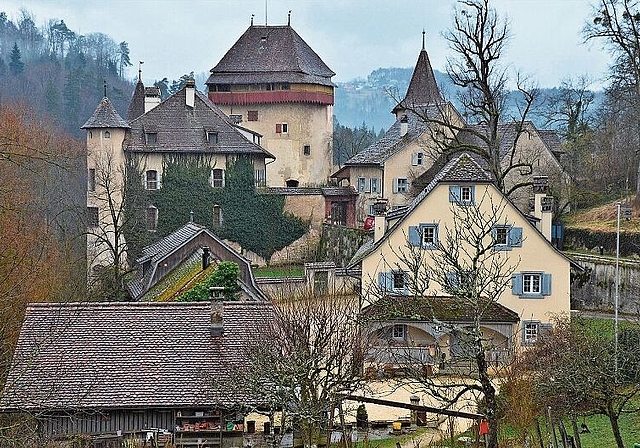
<point x="16" y="66"/>
<point x="3" y="67"/>
<point x="163" y="85"/>
<point x="124" y="57"/>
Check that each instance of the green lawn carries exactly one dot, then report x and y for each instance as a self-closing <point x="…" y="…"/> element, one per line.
<point x="279" y="271"/>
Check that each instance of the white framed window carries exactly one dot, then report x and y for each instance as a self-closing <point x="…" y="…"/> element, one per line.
<point x="462" y="194"/>
<point x="424" y="235"/>
<point x="374" y="185"/>
<point x="152" y="218"/>
<point x="282" y="128"/>
<point x="417" y="159"/>
<point x="501" y="236"/>
<point x="217" y="178"/>
<point x="151" y="180"/>
<point x="399" y="279"/>
<point x="91" y="180"/>
<point x="532" y="283"/>
<point x="400" y="185"/>
<point x="506" y="237"/>
<point x="530" y="332"/>
<point x="429" y="237"/>
<point x="399" y="331"/>
<point x="261" y="177"/>
<point x="362" y="182"/>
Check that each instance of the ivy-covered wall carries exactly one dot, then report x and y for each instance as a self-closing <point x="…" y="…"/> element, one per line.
<point x="256" y="221"/>
<point x="339" y="243"/>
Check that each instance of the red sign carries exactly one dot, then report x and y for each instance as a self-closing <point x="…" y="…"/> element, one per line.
<point x="484" y="427"/>
<point x="369" y="222"/>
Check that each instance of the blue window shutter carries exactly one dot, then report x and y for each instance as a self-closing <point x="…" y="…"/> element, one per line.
<point x="515" y="237"/>
<point x="435" y="234"/>
<point x="405" y="291"/>
<point x="395" y="185"/>
<point x="516" y="284"/>
<point x="473" y="194"/>
<point x="414" y="235"/>
<point x="454" y="193"/>
<point x="382" y="281"/>
<point x="452" y="280"/>
<point x="546" y="284"/>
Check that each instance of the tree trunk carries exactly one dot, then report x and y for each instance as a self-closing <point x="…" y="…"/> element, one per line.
<point x="576" y="433"/>
<point x="539" y="433"/>
<point x="489" y="395"/>
<point x="613" y="418"/>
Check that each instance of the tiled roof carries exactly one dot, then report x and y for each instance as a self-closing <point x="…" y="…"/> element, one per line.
<point x="446" y="309"/>
<point x="265" y="54"/>
<point x="423" y="88"/>
<point x="105" y="116"/>
<point x="392" y="142"/>
<point x="171" y="242"/>
<point x="125" y="355"/>
<point x="136" y="106"/>
<point x="552" y="140"/>
<point x="180" y="128"/>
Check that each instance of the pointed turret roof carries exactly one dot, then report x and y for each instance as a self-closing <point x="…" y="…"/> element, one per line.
<point x="136" y="106"/>
<point x="423" y="89"/>
<point x="105" y="116"/>
<point x="271" y="54"/>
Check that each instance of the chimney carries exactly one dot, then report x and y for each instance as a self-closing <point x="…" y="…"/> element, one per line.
<point x="380" y="219"/>
<point x="151" y="98"/>
<point x="217" y="326"/>
<point x="190" y="91"/>
<point x="542" y="205"/>
<point x="206" y="261"/>
<point x="404" y="125"/>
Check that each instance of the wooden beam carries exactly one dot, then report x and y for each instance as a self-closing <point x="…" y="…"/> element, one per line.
<point x="414" y="407"/>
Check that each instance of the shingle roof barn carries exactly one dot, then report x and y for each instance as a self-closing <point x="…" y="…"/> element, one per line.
<point x="181" y="128"/>
<point x="126" y="355"/>
<point x="105" y="116"/>
<point x="265" y="54"/>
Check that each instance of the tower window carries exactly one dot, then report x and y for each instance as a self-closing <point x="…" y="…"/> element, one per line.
<point x="92" y="216"/>
<point x="252" y="115"/>
<point x="107" y="134"/>
<point x="217" y="178"/>
<point x="152" y="180"/>
<point x="306" y="150"/>
<point x="91" y="180"/>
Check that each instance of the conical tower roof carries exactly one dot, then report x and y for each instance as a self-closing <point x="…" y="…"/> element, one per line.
<point x="105" y="116"/>
<point x="423" y="89"/>
<point x="136" y="106"/>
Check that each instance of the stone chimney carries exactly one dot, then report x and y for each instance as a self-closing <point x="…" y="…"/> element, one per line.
<point x="190" y="91"/>
<point x="217" y="326"/>
<point x="151" y="98"/>
<point x="542" y="205"/>
<point x="404" y="125"/>
<point x="380" y="219"/>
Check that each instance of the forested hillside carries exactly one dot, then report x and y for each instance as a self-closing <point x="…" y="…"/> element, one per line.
<point x="60" y="72"/>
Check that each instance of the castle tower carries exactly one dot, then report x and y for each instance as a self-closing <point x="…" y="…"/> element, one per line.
<point x="273" y="83"/>
<point x="105" y="185"/>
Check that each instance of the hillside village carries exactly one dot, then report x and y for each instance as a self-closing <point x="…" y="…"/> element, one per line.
<point x="432" y="270"/>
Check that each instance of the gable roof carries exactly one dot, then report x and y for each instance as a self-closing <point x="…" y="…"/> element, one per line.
<point x="184" y="238"/>
<point x="183" y="129"/>
<point x="446" y="309"/>
<point x="423" y="89"/>
<point x="265" y="54"/>
<point x="105" y="116"/>
<point x="126" y="355"/>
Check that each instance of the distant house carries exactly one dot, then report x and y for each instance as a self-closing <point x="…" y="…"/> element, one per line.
<point x="410" y="154"/>
<point x="118" y="371"/>
<point x="273" y="82"/>
<point x="539" y="286"/>
<point x="182" y="256"/>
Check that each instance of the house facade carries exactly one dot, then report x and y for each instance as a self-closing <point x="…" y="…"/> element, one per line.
<point x="186" y="126"/>
<point x="273" y="83"/>
<point x="404" y="261"/>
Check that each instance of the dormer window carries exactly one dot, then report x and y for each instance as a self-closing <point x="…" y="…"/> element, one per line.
<point x="151" y="138"/>
<point x="212" y="137"/>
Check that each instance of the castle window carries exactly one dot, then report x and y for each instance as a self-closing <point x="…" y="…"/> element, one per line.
<point x="92" y="217"/>
<point x="152" y="180"/>
<point x="152" y="218"/>
<point x="91" y="180"/>
<point x="107" y="134"/>
<point x="151" y="138"/>
<point x="306" y="150"/>
<point x="217" y="178"/>
<point x="292" y="183"/>
<point x="212" y="137"/>
<point x="282" y="128"/>
<point x="252" y="115"/>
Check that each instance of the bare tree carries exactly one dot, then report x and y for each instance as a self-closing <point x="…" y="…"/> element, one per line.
<point x="576" y="369"/>
<point x="465" y="266"/>
<point x="304" y="359"/>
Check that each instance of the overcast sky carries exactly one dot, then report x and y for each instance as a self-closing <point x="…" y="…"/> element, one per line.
<point x="353" y="37"/>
